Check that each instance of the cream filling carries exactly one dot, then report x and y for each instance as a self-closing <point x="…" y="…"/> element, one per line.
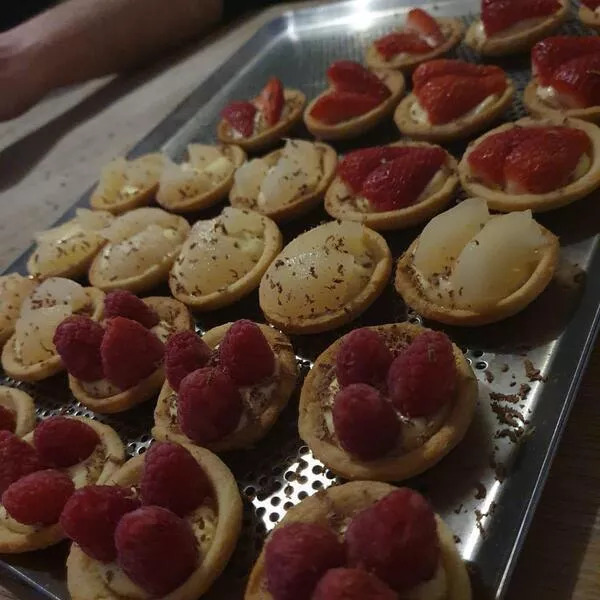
<point x="419" y="115"/>
<point x="548" y="95"/>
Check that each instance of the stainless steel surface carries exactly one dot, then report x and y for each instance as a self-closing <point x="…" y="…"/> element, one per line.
<point x="528" y="366"/>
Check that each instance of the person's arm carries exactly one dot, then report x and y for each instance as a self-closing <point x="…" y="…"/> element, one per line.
<point x="82" y="39"/>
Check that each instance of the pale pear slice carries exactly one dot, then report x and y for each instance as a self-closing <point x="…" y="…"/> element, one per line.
<point x="249" y="177"/>
<point x="14" y="288"/>
<point x="55" y="291"/>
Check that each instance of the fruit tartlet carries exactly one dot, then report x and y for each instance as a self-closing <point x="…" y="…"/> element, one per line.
<point x="68" y="250"/>
<point x="141" y="249"/>
<point x="387" y="402"/>
<point x="564" y="78"/>
<point x="533" y="164"/>
<point x="202" y="181"/>
<point x="40" y="472"/>
<point x="118" y="364"/>
<point x="512" y="26"/>
<point x="165" y="527"/>
<point x="589" y="13"/>
<point x="225" y="390"/>
<point x="356" y="101"/>
<point x="17" y="411"/>
<point x="325" y="277"/>
<point x="286" y="183"/>
<point x="391" y="187"/>
<point x="422" y="38"/>
<point x="224" y="258"/>
<point x="260" y="123"/>
<point x="14" y="288"/>
<point x="358" y="541"/>
<point x="30" y="354"/>
<point x="471" y="268"/>
<point x="453" y="99"/>
<point x="127" y="184"/>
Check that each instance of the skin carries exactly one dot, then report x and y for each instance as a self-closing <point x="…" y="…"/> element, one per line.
<point x="81" y="39"/>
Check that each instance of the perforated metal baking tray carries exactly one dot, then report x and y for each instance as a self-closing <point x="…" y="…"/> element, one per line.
<point x="528" y="367"/>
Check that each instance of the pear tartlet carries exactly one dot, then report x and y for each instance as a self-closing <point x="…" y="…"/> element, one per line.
<point x="30" y="354"/>
<point x="286" y="183"/>
<point x="326" y="277"/>
<point x="68" y="249"/>
<point x="14" y="288"/>
<point x="261" y="378"/>
<point x="589" y="14"/>
<point x="142" y="246"/>
<point x="471" y="268"/>
<point x="502" y="30"/>
<point x="98" y="458"/>
<point x="22" y="408"/>
<point x="421" y="180"/>
<point x="204" y="180"/>
<point x="165" y="317"/>
<point x="533" y="164"/>
<point x="214" y="524"/>
<point x="365" y="423"/>
<point x="127" y="184"/>
<point x="260" y="123"/>
<point x="224" y="258"/>
<point x="379" y="537"/>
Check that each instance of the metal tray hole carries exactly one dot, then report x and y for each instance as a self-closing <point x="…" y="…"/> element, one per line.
<point x="275" y="501"/>
<point x="477" y="353"/>
<point x="250" y="492"/>
<point x="274" y="517"/>
<point x="302" y="494"/>
<point x="481" y="365"/>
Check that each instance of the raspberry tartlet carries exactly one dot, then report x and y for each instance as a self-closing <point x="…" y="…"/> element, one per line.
<point x="141" y="249"/>
<point x="260" y="123"/>
<point x="127" y="184"/>
<point x="166" y="527"/>
<point x="204" y="180"/>
<point x="286" y="183"/>
<point x="325" y="277"/>
<point x="564" y="76"/>
<point x="224" y="258"/>
<point x="513" y="26"/>
<point x="589" y="13"/>
<point x="392" y="187"/>
<point x="30" y="354"/>
<point x="14" y="288"/>
<point x="533" y="164"/>
<point x="422" y="38"/>
<point x="471" y="268"/>
<point x="17" y="411"/>
<point x="119" y="364"/>
<point x="453" y="99"/>
<point x="225" y="390"/>
<point x="40" y="472"/>
<point x="363" y="539"/>
<point x="387" y="402"/>
<point x="356" y="101"/>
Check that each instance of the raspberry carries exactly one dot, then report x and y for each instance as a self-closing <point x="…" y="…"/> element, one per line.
<point x="77" y="340"/>
<point x="38" y="498"/>
<point x="17" y="459"/>
<point x="366" y="425"/>
<point x="156" y="549"/>
<point x="122" y="303"/>
<point x="246" y="354"/>
<point x="209" y="405"/>
<point x="424" y="376"/>
<point x="296" y="556"/>
<point x="352" y="584"/>
<point x="396" y="539"/>
<point x="91" y="516"/>
<point x="362" y="357"/>
<point x="129" y="352"/>
<point x="8" y="421"/>
<point x="173" y="479"/>
<point x="64" y="442"/>
<point x="185" y="352"/>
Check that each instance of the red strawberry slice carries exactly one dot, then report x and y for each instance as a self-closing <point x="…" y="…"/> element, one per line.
<point x="240" y="115"/>
<point x="400" y="182"/>
<point x="591" y="4"/>
<point x="549" y="54"/>
<point x="349" y="76"/>
<point x="401" y="41"/>
<point x="356" y="166"/>
<point x="499" y="15"/>
<point x="270" y="101"/>
<point x="336" y="107"/>
<point x="426" y="26"/>
<point x="578" y="81"/>
<point x="447" y="66"/>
